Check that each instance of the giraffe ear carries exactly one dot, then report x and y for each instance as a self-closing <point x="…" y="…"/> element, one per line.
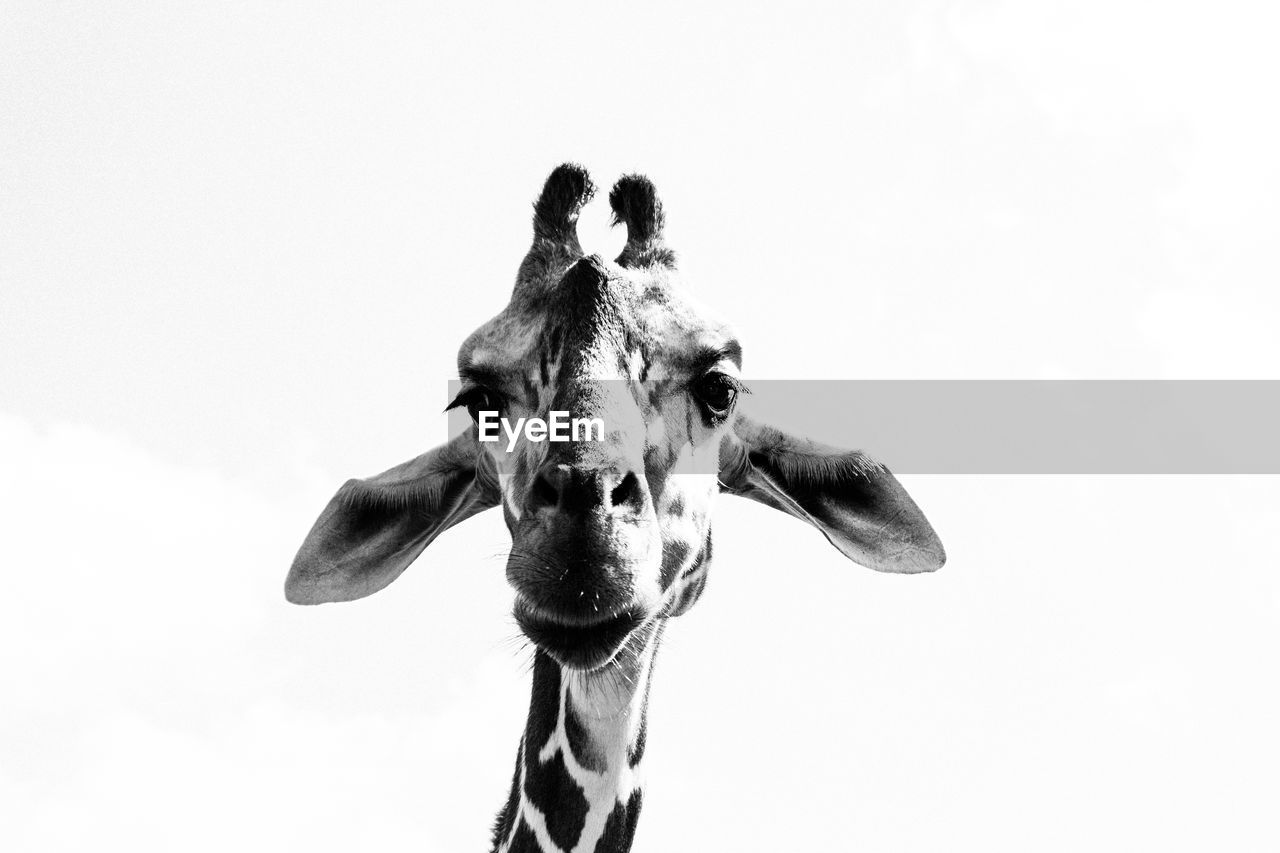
<point x="857" y="504"/>
<point x="373" y="529"/>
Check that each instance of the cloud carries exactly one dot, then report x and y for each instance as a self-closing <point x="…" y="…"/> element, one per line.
<point x="153" y="699"/>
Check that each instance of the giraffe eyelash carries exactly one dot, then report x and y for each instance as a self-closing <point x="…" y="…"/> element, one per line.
<point x="461" y="399"/>
<point x="718" y="393"/>
<point x="475" y="399"/>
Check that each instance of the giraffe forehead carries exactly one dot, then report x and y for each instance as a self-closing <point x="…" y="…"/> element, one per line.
<point x="642" y="320"/>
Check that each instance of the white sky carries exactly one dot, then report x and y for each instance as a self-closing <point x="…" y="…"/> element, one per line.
<point x="239" y="245"/>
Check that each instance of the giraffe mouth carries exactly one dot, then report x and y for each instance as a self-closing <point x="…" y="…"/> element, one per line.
<point x="575" y="643"/>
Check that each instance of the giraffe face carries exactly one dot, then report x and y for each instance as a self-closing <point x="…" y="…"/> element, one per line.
<point x="609" y="534"/>
<point x="611" y="531"/>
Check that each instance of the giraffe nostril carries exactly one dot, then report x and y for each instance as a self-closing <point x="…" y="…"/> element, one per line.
<point x="627" y="493"/>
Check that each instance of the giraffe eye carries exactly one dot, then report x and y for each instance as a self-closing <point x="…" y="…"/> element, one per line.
<point x="716" y="391"/>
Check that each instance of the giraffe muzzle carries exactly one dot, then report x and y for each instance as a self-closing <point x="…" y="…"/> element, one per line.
<point x="579" y="645"/>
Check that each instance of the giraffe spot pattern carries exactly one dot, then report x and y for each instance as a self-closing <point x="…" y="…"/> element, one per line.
<point x="688" y="588"/>
<point x="620" y="829"/>
<point x="524" y="841"/>
<point x="553" y="792"/>
<point x="579" y="740"/>
<point x="636" y="751"/>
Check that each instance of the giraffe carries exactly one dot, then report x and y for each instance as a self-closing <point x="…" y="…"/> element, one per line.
<point x="611" y="538"/>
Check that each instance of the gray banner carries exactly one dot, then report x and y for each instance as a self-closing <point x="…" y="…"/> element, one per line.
<point x="1029" y="426"/>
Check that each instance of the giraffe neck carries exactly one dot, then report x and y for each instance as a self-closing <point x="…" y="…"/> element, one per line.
<point x="577" y="778"/>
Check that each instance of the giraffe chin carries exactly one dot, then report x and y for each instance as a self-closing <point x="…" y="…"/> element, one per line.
<point x="578" y="645"/>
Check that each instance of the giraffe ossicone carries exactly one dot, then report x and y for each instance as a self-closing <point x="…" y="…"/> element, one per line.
<point x="610" y="537"/>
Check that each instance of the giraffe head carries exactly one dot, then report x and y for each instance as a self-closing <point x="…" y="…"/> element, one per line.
<point x="610" y="532"/>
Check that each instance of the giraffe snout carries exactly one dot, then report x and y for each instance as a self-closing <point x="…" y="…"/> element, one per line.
<point x="569" y="490"/>
<point x="586" y="546"/>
